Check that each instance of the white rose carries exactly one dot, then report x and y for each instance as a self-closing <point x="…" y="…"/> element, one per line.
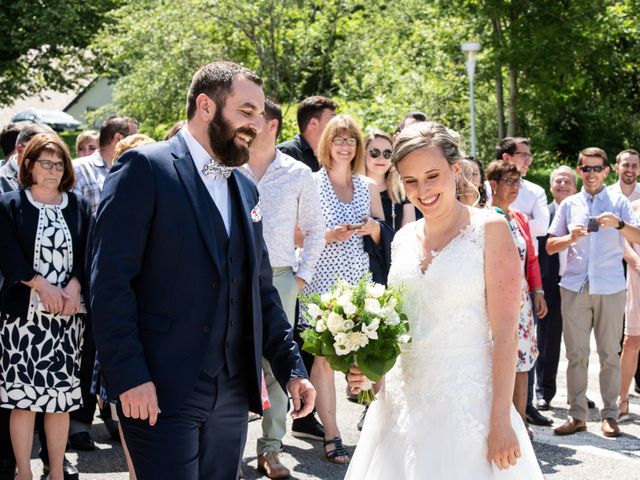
<point x="371" y="330"/>
<point x="325" y="297"/>
<point x="372" y="305"/>
<point x="340" y="344"/>
<point x="391" y="317"/>
<point x="357" y="339"/>
<point x="375" y="290"/>
<point x="334" y="323"/>
<point x="347" y="325"/>
<point x="392" y="302"/>
<point x="344" y="299"/>
<point x="321" y="326"/>
<point x="349" y="309"/>
<point x="314" y="310"/>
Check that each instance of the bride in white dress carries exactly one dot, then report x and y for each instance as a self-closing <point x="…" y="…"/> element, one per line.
<point x="445" y="409"/>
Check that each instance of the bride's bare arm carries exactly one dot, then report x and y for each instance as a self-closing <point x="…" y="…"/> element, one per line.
<point x="502" y="278"/>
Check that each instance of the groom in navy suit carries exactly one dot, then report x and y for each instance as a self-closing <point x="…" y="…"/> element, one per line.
<point x="182" y="299"/>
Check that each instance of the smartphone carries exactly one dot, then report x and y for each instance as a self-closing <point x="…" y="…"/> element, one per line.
<point x="593" y="225"/>
<point x="354" y="226"/>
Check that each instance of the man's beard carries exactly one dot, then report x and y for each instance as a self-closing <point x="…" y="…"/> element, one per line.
<point x="628" y="181"/>
<point x="222" y="139"/>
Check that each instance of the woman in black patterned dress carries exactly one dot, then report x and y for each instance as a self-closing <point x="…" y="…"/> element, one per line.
<point x="43" y="233"/>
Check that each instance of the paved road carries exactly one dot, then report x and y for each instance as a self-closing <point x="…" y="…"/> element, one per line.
<point x="586" y="455"/>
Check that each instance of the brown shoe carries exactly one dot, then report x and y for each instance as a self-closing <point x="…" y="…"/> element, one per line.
<point x="610" y="427"/>
<point x="269" y="463"/>
<point x="570" y="426"/>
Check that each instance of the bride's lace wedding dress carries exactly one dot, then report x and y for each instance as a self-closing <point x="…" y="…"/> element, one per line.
<point x="431" y="419"/>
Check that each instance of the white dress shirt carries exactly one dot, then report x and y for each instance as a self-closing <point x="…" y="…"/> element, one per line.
<point x="532" y="201"/>
<point x="216" y="184"/>
<point x="289" y="196"/>
<point x="615" y="188"/>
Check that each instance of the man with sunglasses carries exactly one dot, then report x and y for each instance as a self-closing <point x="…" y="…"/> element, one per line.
<point x="593" y="225"/>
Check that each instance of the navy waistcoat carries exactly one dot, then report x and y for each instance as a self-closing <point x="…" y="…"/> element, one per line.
<point x="232" y="314"/>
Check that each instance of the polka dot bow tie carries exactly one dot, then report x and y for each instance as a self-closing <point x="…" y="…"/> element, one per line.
<point x="214" y="167"/>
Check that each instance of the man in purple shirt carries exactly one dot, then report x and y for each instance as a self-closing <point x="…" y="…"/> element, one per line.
<point x="593" y="225"/>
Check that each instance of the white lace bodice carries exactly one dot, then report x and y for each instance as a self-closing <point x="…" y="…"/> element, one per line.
<point x="451" y="338"/>
<point x="446" y="305"/>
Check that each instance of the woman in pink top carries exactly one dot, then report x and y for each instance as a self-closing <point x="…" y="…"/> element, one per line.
<point x="631" y="345"/>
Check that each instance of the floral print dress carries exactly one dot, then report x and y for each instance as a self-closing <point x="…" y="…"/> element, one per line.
<point x="527" y="342"/>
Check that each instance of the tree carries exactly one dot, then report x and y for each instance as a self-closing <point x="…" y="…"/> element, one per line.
<point x="152" y="48"/>
<point x="542" y="71"/>
<point x="43" y="44"/>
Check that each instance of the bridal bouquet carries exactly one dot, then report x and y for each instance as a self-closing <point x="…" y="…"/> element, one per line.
<point x="360" y="325"/>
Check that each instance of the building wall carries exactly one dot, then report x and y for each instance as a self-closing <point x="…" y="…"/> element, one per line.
<point x="96" y="95"/>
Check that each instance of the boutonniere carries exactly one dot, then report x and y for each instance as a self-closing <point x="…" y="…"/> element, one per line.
<point x="256" y="212"/>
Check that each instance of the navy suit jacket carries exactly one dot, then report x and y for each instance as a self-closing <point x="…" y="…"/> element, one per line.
<point x="549" y="264"/>
<point x="155" y="280"/>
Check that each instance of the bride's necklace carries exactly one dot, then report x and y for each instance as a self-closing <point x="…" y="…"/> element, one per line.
<point x="431" y="247"/>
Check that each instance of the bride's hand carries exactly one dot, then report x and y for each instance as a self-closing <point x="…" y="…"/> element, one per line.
<point x="356" y="380"/>
<point x="504" y="449"/>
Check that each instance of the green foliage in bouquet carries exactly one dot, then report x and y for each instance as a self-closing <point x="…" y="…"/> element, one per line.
<point x="360" y="324"/>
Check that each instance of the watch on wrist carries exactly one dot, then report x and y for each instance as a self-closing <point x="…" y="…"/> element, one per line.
<point x="621" y="224"/>
<point x="539" y="290"/>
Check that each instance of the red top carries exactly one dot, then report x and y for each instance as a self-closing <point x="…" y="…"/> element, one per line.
<point x="532" y="268"/>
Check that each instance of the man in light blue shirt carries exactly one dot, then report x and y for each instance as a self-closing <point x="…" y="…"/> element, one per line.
<point x="592" y="225"/>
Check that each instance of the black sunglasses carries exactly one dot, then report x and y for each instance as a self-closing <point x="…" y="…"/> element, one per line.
<point x="375" y="153"/>
<point x="588" y="169"/>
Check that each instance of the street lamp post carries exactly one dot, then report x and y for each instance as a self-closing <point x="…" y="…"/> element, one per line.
<point x="471" y="50"/>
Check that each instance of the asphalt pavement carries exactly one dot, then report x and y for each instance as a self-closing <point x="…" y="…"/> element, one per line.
<point x="585" y="455"/>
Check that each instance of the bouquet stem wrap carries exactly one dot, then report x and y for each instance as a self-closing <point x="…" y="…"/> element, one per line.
<point x="366" y="394"/>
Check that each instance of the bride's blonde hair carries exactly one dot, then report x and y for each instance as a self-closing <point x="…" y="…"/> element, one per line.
<point x="420" y="135"/>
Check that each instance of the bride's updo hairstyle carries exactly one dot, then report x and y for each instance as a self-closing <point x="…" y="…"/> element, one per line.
<point x="421" y="135"/>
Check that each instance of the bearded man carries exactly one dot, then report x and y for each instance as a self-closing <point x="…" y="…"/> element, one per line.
<point x="182" y="296"/>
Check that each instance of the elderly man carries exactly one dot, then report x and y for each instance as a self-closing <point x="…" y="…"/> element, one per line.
<point x="592" y="225"/>
<point x="549" y="330"/>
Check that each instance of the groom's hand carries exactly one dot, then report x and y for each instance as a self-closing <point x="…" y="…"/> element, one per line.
<point x="141" y="402"/>
<point x="303" y="397"/>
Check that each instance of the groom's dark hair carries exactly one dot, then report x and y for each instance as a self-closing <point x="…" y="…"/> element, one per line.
<point x="214" y="80"/>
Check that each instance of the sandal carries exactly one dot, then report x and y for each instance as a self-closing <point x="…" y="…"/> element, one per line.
<point x="623" y="415"/>
<point x="338" y="451"/>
